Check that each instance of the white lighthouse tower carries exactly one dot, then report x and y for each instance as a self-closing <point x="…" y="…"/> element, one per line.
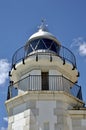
<point x="43" y="94"/>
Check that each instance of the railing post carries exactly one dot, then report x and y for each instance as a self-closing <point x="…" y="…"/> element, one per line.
<point x="28" y="83"/>
<point x="50" y="58"/>
<point x="63" y="54"/>
<point x="8" y="93"/>
<point x="62" y="83"/>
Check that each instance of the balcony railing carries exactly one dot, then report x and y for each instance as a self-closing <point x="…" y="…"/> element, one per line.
<point x="36" y="83"/>
<point x="64" y="53"/>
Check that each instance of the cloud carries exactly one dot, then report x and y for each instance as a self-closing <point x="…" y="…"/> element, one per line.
<point x="4" y="69"/>
<point x="5" y="119"/>
<point x="80" y="45"/>
<point x="3" y="128"/>
<point x="77" y="42"/>
<point x="82" y="49"/>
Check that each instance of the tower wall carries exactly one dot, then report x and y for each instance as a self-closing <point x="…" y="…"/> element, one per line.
<point x="45" y="110"/>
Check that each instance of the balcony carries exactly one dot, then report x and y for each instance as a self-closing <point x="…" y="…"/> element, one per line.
<point x="40" y="83"/>
<point x="44" y="47"/>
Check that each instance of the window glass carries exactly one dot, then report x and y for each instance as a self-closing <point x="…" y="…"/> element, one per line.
<point x="43" y="43"/>
<point x="47" y="42"/>
<point x="34" y="43"/>
<point x="29" y="49"/>
<point x="53" y="47"/>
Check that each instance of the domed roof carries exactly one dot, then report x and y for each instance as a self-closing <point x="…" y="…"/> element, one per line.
<point x="42" y="33"/>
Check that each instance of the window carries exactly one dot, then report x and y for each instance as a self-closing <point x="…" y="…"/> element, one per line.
<point x="43" y="44"/>
<point x="45" y="81"/>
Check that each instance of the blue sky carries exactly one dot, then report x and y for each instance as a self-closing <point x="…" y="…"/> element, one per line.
<point x="19" y="19"/>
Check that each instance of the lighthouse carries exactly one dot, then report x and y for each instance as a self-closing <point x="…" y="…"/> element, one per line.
<point x="43" y="93"/>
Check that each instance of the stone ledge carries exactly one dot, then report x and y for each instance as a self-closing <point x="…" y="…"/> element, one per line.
<point x="43" y="95"/>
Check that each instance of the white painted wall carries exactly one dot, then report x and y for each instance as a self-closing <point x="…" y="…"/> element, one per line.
<point x="54" y="72"/>
<point x="78" y="123"/>
<point x="42" y="110"/>
<point x="46" y="117"/>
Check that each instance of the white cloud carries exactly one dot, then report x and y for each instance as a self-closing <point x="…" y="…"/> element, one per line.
<point x="4" y="69"/>
<point x="5" y="119"/>
<point x="80" y="44"/>
<point x="3" y="128"/>
<point x="77" y="42"/>
<point x="82" y="49"/>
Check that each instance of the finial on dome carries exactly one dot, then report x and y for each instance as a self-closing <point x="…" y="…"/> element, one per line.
<point x="43" y="25"/>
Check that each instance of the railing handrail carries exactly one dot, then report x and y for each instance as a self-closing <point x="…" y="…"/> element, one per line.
<point x="30" y="75"/>
<point x="62" y="82"/>
<point x="21" y="53"/>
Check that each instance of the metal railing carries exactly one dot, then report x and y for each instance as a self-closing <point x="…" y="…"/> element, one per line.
<point x="64" y="53"/>
<point x="35" y="83"/>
